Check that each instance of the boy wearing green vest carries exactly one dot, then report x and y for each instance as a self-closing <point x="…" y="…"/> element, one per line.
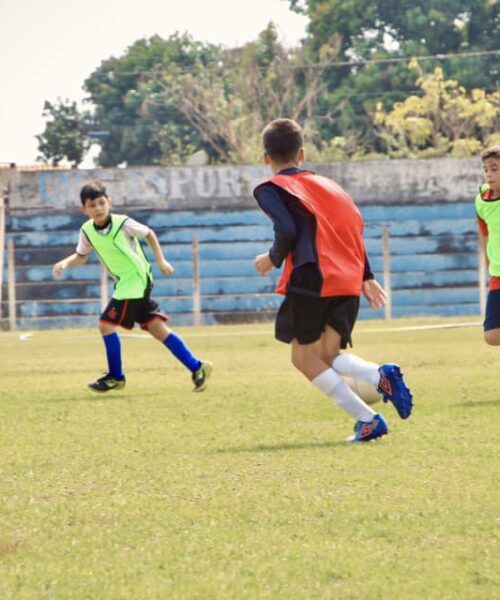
<point x="115" y="238"/>
<point x="488" y="215"/>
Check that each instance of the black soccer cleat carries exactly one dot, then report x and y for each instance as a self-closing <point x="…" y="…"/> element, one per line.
<point x="201" y="376"/>
<point x="107" y="383"/>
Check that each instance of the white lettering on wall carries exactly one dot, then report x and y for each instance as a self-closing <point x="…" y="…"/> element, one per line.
<point x="179" y="180"/>
<point x="229" y="182"/>
<point x="205" y="182"/>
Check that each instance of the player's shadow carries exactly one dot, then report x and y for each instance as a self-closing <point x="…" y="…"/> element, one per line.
<point x="280" y="447"/>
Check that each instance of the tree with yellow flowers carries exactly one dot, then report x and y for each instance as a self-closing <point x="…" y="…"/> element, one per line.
<point x="444" y="119"/>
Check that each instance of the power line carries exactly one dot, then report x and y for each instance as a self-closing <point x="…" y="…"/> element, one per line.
<point x="359" y="62"/>
<point x="398" y="59"/>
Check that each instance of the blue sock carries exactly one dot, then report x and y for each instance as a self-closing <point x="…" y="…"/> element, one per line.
<point x="179" y="349"/>
<point x="114" y="355"/>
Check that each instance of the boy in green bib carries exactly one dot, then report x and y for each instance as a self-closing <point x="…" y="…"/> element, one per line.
<point x="115" y="238"/>
<point x="488" y="216"/>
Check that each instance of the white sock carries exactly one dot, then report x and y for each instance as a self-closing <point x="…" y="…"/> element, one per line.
<point x="332" y="384"/>
<point x="357" y="368"/>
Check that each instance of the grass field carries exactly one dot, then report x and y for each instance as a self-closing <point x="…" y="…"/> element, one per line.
<point x="247" y="490"/>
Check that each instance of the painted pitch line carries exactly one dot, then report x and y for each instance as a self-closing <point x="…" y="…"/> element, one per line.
<point x="423" y="327"/>
<point x="218" y="334"/>
<point x="380" y="330"/>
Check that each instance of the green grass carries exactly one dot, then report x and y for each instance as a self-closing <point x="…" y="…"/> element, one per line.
<point x="247" y="490"/>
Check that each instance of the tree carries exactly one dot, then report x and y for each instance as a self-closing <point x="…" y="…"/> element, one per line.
<point x="395" y="29"/>
<point x="129" y="101"/>
<point x="66" y="133"/>
<point x="444" y="119"/>
<point x="434" y="26"/>
<point x="229" y="103"/>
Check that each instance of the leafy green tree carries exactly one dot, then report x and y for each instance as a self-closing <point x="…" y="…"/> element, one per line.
<point x="433" y="26"/>
<point x="66" y="133"/>
<point x="129" y="101"/>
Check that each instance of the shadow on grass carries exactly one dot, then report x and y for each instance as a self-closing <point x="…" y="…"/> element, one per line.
<point x="473" y="403"/>
<point x="280" y="447"/>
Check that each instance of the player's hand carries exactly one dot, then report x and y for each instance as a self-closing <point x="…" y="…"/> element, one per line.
<point x="58" y="268"/>
<point x="374" y="293"/>
<point x="165" y="267"/>
<point x="263" y="264"/>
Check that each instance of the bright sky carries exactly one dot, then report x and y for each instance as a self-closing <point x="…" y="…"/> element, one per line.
<point x="49" y="47"/>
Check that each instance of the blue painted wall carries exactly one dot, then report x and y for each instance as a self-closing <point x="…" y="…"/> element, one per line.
<point x="433" y="260"/>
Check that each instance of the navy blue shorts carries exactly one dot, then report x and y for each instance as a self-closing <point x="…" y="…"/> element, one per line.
<point x="492" y="316"/>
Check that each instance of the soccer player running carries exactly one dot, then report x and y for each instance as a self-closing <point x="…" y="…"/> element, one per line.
<point x="115" y="238"/>
<point x="488" y="215"/>
<point x="318" y="234"/>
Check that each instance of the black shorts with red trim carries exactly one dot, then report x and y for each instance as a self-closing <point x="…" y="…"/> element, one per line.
<point x="305" y="318"/>
<point x="126" y="313"/>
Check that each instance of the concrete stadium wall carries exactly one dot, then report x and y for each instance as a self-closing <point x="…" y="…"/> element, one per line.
<point x="426" y="205"/>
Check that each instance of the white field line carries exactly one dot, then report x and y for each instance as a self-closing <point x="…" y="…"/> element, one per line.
<point x="27" y="335"/>
<point x="361" y="330"/>
<point x="267" y="332"/>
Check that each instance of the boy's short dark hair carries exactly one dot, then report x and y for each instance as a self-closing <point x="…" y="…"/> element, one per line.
<point x="92" y="190"/>
<point x="492" y="152"/>
<point x="282" y="140"/>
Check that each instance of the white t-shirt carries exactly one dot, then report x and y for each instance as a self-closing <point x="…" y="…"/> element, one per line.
<point x="132" y="229"/>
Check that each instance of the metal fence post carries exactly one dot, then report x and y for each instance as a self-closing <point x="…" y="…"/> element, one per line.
<point x="196" y="283"/>
<point x="2" y="248"/>
<point x="11" y="275"/>
<point x="387" y="273"/>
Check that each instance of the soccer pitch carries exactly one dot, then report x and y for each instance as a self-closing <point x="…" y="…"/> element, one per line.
<point x="246" y="490"/>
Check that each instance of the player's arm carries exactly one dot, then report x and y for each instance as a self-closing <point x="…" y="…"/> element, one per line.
<point x="80" y="257"/>
<point x="165" y="267"/>
<point x="74" y="260"/>
<point x="285" y="231"/>
<point x="483" y="236"/>
<point x="372" y="290"/>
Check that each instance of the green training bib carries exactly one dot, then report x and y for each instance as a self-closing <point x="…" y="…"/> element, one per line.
<point x="128" y="265"/>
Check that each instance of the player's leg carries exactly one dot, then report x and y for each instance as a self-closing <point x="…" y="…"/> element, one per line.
<point x="303" y="321"/>
<point x="156" y="325"/>
<point x="114" y="314"/>
<point x="350" y="365"/>
<point x="387" y="378"/>
<point x="345" y="398"/>
<point x="310" y="360"/>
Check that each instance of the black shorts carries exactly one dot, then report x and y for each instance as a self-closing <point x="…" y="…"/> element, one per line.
<point x="128" y="312"/>
<point x="492" y="316"/>
<point x="305" y="318"/>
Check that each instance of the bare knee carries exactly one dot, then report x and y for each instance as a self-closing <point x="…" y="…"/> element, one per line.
<point x="158" y="329"/>
<point x="329" y="356"/>
<point x="492" y="337"/>
<point x="106" y="328"/>
<point x="298" y="361"/>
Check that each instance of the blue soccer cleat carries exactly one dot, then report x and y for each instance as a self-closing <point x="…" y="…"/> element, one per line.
<point x="364" y="432"/>
<point x="393" y="388"/>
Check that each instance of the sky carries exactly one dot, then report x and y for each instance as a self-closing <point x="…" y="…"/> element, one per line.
<point x="49" y="47"/>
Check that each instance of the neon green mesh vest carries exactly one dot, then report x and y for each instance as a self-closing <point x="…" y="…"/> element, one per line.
<point x="490" y="214"/>
<point x="131" y="270"/>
